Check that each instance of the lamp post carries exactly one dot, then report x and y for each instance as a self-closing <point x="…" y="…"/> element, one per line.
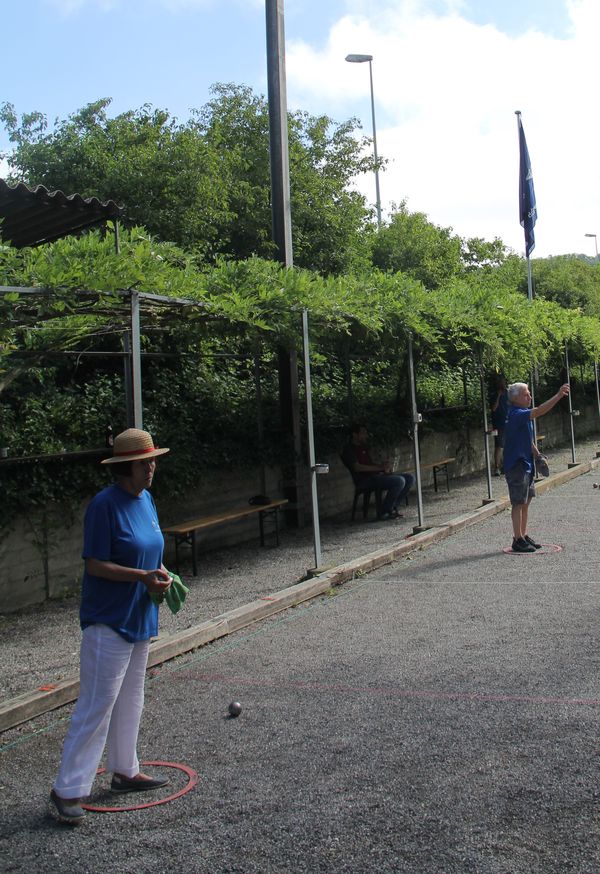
<point x="595" y="241"/>
<point x="595" y="362"/>
<point x="362" y="59"/>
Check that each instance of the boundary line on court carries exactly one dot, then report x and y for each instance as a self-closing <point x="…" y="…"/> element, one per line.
<point x="27" y="706"/>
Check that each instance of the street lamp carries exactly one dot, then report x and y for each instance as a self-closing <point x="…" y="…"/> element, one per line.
<point x="595" y="241"/>
<point x="361" y="59"/>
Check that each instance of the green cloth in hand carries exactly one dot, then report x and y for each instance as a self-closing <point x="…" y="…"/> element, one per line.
<point x="174" y="596"/>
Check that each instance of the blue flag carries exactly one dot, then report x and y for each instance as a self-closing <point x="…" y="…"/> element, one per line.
<point x="527" y="207"/>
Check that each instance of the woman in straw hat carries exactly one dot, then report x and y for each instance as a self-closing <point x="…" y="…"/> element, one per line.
<point x="123" y="549"/>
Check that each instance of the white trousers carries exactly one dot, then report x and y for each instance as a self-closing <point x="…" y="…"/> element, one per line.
<point x="107" y="713"/>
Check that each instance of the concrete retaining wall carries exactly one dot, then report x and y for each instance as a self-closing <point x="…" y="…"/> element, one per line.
<point x="43" y="560"/>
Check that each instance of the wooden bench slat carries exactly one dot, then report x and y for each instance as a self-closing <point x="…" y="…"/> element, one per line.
<point x="228" y="516"/>
<point x="431" y="464"/>
<point x="186" y="531"/>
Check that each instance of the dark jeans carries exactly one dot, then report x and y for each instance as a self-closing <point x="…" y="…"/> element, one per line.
<point x="395" y="485"/>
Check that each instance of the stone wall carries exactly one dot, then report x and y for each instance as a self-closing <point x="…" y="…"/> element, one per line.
<point x="44" y="561"/>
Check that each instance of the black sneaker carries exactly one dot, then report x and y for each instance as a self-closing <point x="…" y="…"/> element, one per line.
<point x="531" y="542"/>
<point x="67" y="810"/>
<point x="125" y="784"/>
<point x="521" y="545"/>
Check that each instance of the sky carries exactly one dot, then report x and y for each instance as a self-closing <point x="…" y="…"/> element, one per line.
<point x="448" y="76"/>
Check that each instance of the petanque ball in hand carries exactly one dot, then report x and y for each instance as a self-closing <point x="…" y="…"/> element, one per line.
<point x="235" y="708"/>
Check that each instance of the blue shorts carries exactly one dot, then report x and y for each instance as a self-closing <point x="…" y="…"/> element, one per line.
<point x="520" y="483"/>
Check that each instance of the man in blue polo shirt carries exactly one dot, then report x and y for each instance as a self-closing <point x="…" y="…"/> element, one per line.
<point x="519" y="453"/>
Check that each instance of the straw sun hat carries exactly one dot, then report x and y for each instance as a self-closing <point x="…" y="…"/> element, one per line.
<point x="132" y="445"/>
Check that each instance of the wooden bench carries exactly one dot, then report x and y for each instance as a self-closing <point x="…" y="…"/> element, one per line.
<point x="440" y="466"/>
<point x="186" y="531"/>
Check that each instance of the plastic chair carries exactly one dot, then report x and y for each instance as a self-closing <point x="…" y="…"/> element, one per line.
<point x="364" y="492"/>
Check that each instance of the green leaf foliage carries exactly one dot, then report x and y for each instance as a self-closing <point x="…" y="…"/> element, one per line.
<point x="204" y="184"/>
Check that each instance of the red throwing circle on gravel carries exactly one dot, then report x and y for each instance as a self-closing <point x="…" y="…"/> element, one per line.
<point x="546" y="549"/>
<point x="192" y="781"/>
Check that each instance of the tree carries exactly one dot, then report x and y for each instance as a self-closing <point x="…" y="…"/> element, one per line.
<point x="205" y="184"/>
<point x="411" y="244"/>
<point x="570" y="281"/>
<point x="478" y="254"/>
<point x="165" y="176"/>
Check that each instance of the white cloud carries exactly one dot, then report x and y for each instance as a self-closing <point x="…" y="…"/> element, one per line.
<point x="446" y="91"/>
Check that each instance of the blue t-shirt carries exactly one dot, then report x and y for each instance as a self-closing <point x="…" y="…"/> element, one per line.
<point x="518" y="437"/>
<point x="121" y="528"/>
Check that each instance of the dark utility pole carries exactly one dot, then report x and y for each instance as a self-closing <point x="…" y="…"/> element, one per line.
<point x="282" y="237"/>
<point x="278" y="133"/>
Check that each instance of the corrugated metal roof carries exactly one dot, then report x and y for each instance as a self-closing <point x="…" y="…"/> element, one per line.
<point x="31" y="216"/>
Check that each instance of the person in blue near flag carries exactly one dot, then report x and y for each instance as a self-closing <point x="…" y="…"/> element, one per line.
<point x="527" y="207"/>
<point x="519" y="454"/>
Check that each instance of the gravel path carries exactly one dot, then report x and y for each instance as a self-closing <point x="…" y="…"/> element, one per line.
<point x="40" y="645"/>
<point x="438" y="716"/>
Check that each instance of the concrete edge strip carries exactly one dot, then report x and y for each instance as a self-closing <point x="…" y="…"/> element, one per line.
<point x="27" y="706"/>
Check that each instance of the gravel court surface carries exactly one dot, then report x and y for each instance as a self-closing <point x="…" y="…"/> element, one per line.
<point x="440" y="715"/>
<point x="40" y="645"/>
<point x="567" y="517"/>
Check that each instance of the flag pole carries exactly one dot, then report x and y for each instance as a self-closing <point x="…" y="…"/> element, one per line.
<point x="528" y="218"/>
<point x="529" y="280"/>
<point x="533" y="374"/>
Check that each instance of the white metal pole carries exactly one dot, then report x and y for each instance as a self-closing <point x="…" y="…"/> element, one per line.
<point x="416" y="418"/>
<point x="311" y="441"/>
<point x="377" y="192"/>
<point x="485" y="429"/>
<point x="570" y="399"/>
<point x="136" y="361"/>
<point x="533" y="372"/>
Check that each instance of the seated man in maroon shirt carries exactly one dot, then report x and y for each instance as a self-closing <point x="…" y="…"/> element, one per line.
<point x="368" y="474"/>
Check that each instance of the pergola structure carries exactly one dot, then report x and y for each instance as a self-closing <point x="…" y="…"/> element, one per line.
<point x="34" y="216"/>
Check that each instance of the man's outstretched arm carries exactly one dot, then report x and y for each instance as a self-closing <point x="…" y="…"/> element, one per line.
<point x="544" y="408"/>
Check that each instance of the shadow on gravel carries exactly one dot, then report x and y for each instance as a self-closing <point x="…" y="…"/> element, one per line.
<point x="429" y="566"/>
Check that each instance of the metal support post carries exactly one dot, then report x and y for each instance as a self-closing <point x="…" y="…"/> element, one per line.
<point x="128" y="380"/>
<point x="485" y="432"/>
<point x="260" y="425"/>
<point x="136" y="361"/>
<point x="532" y="393"/>
<point x="311" y="442"/>
<point x="571" y="413"/>
<point x="416" y="419"/>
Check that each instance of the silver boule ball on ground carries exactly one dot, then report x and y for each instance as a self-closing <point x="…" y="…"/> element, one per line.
<point x="235" y="708"/>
